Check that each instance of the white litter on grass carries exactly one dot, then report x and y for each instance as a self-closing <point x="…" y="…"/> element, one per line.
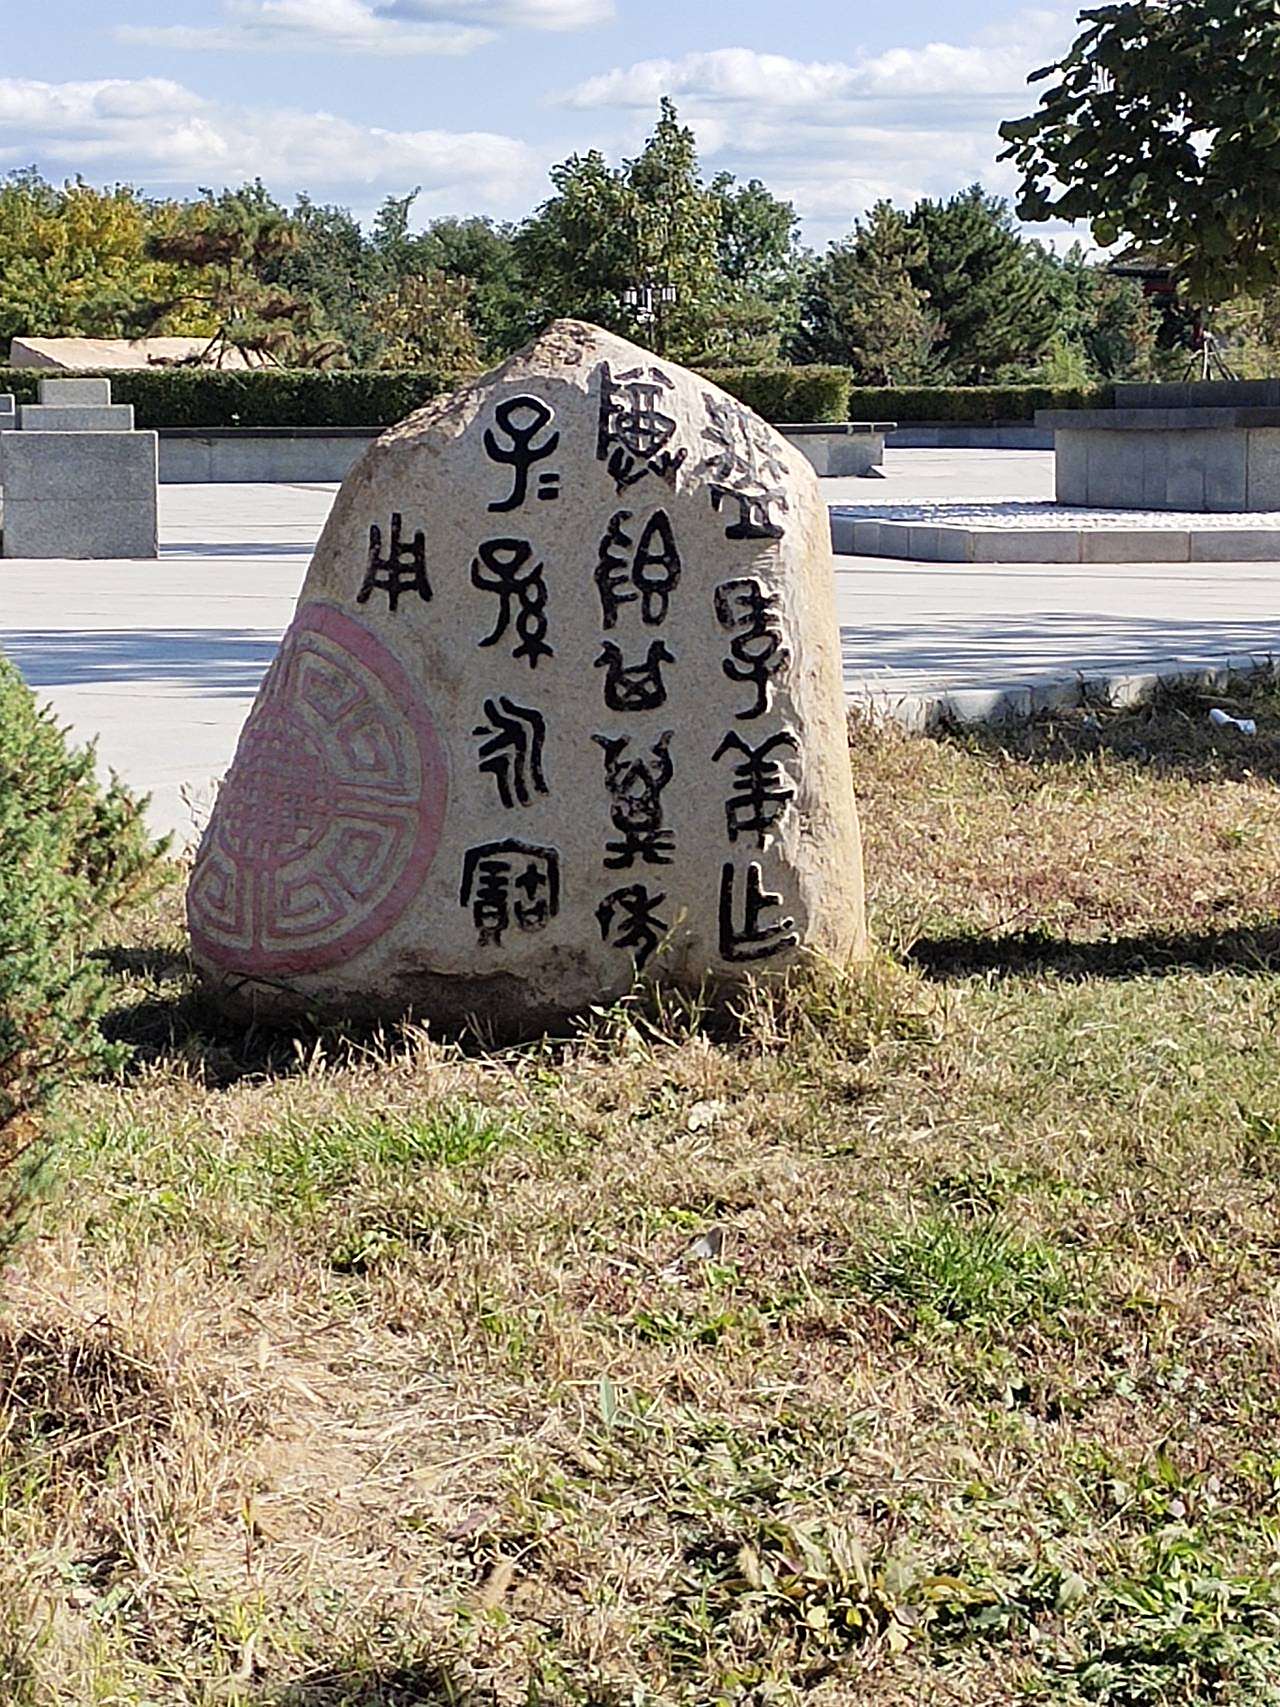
<point x="1225" y="720"/>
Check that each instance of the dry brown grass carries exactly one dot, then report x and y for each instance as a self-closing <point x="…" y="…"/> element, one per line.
<point x="918" y="1343"/>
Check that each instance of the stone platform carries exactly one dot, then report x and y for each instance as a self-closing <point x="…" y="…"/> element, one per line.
<point x="1018" y="531"/>
<point x="1209" y="446"/>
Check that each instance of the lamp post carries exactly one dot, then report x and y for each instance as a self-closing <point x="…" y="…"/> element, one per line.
<point x="647" y="301"/>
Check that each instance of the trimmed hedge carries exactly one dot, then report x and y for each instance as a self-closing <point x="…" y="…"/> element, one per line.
<point x="369" y="397"/>
<point x="788" y="393"/>
<point x="217" y="397"/>
<point x="971" y="405"/>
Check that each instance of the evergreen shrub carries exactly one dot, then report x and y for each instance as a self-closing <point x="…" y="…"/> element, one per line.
<point x="71" y="853"/>
<point x="971" y="405"/>
<point x="788" y="393"/>
<point x="275" y="397"/>
<point x="377" y="397"/>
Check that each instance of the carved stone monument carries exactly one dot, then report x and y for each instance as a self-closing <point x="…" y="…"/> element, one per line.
<point x="560" y="704"/>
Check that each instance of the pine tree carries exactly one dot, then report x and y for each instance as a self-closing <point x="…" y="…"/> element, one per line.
<point x="70" y="854"/>
<point x="864" y="311"/>
<point x="984" y="282"/>
<point x="236" y="244"/>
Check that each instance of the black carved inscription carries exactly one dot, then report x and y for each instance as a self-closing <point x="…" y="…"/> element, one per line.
<point x="763" y="790"/>
<point x="757" y="653"/>
<point x="634" y="687"/>
<point x="744" y="470"/>
<point x="510" y="883"/>
<point x="507" y="567"/>
<point x="628" y="919"/>
<point x="635" y="788"/>
<point x="648" y="569"/>
<point x="519" y="420"/>
<point x="753" y="938"/>
<point x="511" y="750"/>
<point x="634" y="432"/>
<point x="402" y="570"/>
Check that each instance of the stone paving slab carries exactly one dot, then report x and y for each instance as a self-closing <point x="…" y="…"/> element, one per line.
<point x="160" y="661"/>
<point x="1015" y="530"/>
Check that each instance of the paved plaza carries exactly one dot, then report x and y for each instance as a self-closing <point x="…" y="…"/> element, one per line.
<point x="160" y="660"/>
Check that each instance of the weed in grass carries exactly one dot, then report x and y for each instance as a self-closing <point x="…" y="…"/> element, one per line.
<point x="1187" y="1628"/>
<point x="977" y="1274"/>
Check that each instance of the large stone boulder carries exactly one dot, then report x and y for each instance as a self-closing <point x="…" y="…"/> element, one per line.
<point x="560" y="704"/>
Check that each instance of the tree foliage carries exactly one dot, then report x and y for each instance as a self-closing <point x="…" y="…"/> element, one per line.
<point x="71" y="853"/>
<point x="710" y="272"/>
<point x="722" y="251"/>
<point x="864" y="309"/>
<point x="985" y="285"/>
<point x="232" y="248"/>
<point x="1163" y="126"/>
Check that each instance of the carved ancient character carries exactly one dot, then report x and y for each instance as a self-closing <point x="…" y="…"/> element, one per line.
<point x="753" y="938"/>
<point x="743" y="470"/>
<point x="402" y="570"/>
<point x="628" y="919"/>
<point x="764" y="791"/>
<point x="520" y="420"/>
<point x="647" y="570"/>
<point x="510" y="883"/>
<point x="511" y="749"/>
<point x="506" y="567"/>
<point x="634" y="687"/>
<point x="634" y="433"/>
<point x="635" y="788"/>
<point x="757" y="652"/>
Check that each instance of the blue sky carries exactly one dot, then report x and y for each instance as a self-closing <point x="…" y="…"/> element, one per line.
<point x="832" y="103"/>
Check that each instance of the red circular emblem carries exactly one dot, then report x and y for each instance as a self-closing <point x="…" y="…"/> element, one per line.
<point x="331" y="814"/>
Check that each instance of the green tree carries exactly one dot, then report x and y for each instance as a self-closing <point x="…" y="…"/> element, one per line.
<point x="478" y="252"/>
<point x="73" y="261"/>
<point x="986" y="285"/>
<point x="234" y="245"/>
<point x="1163" y="126"/>
<point x="332" y="268"/>
<point x="607" y="232"/>
<point x="424" y="322"/>
<point x="863" y="309"/>
<point x="763" y="268"/>
<point x="1107" y="329"/>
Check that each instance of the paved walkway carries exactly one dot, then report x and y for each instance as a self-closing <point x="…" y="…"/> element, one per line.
<point x="160" y="661"/>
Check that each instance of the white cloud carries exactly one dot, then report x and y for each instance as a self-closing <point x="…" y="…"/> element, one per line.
<point x="834" y="136"/>
<point x="996" y="64"/>
<point x="382" y="27"/>
<point x="511" y="14"/>
<point x="161" y="134"/>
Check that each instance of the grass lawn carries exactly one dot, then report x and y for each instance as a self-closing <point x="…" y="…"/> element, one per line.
<point x="919" y="1342"/>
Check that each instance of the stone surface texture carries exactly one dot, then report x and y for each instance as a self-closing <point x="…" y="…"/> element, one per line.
<point x="560" y="704"/>
<point x="840" y="450"/>
<point x="77" y="418"/>
<point x="1211" y="446"/>
<point x="79" y="495"/>
<point x="74" y="393"/>
<point x="1018" y="531"/>
<point x="78" y="481"/>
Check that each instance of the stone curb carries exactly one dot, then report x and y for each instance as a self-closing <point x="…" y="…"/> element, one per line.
<point x="927" y="542"/>
<point x="1009" y="702"/>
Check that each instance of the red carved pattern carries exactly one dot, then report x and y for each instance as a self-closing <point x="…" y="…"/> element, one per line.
<point x="330" y="817"/>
